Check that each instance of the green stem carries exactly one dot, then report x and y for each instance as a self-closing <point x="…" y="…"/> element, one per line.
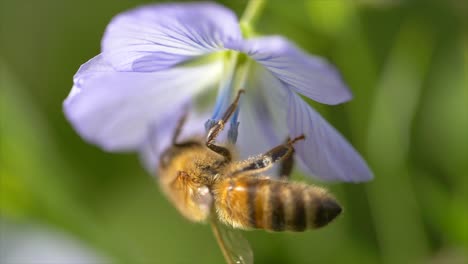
<point x="251" y="14"/>
<point x="242" y="72"/>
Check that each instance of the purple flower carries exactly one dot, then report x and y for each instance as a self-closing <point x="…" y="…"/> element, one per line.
<point x="157" y="59"/>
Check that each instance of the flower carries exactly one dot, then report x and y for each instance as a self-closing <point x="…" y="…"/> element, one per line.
<point x="129" y="97"/>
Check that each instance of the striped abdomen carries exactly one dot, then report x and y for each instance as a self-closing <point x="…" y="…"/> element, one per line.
<point x="255" y="202"/>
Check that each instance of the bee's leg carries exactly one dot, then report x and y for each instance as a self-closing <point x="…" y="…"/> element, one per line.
<point x="287" y="164"/>
<point x="178" y="129"/>
<point x="219" y="126"/>
<point x="266" y="161"/>
<point x="175" y="137"/>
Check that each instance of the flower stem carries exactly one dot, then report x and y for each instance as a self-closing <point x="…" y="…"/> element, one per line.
<point x="252" y="13"/>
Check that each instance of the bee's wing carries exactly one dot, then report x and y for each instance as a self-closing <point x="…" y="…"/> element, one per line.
<point x="236" y="249"/>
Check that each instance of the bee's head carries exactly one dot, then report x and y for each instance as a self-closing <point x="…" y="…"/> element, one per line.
<point x="174" y="151"/>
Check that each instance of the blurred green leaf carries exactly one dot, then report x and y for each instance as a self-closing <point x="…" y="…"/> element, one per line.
<point x="441" y="144"/>
<point x="444" y="211"/>
<point x="394" y="206"/>
<point x="33" y="177"/>
<point x="330" y="17"/>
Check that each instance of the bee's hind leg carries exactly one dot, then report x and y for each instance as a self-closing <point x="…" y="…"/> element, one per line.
<point x="283" y="152"/>
<point x="287" y="164"/>
<point x="219" y="126"/>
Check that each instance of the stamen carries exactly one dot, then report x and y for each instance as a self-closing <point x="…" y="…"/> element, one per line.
<point x="222" y="100"/>
<point x="209" y="124"/>
<point x="234" y="79"/>
<point x="233" y="132"/>
<point x="234" y="126"/>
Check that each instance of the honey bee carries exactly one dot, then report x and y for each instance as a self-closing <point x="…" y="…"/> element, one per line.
<point x="204" y="181"/>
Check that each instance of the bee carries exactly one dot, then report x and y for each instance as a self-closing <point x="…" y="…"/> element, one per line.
<point x="205" y="181"/>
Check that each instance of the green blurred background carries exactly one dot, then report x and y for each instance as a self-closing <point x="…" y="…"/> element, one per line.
<point x="406" y="62"/>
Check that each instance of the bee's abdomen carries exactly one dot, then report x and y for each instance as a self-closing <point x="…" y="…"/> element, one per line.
<point x="251" y="202"/>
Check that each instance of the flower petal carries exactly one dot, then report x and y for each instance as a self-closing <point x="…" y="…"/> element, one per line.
<point x="115" y="109"/>
<point x="154" y="37"/>
<point x="305" y="74"/>
<point x="262" y="118"/>
<point x="324" y="153"/>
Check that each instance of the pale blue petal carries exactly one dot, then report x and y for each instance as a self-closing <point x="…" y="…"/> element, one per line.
<point x="155" y="37"/>
<point x="303" y="73"/>
<point x="262" y="115"/>
<point x="270" y="113"/>
<point x="115" y="109"/>
<point x="223" y="99"/>
<point x="324" y="153"/>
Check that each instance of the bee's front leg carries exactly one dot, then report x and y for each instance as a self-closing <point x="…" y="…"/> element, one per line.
<point x="219" y="126"/>
<point x="178" y="130"/>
